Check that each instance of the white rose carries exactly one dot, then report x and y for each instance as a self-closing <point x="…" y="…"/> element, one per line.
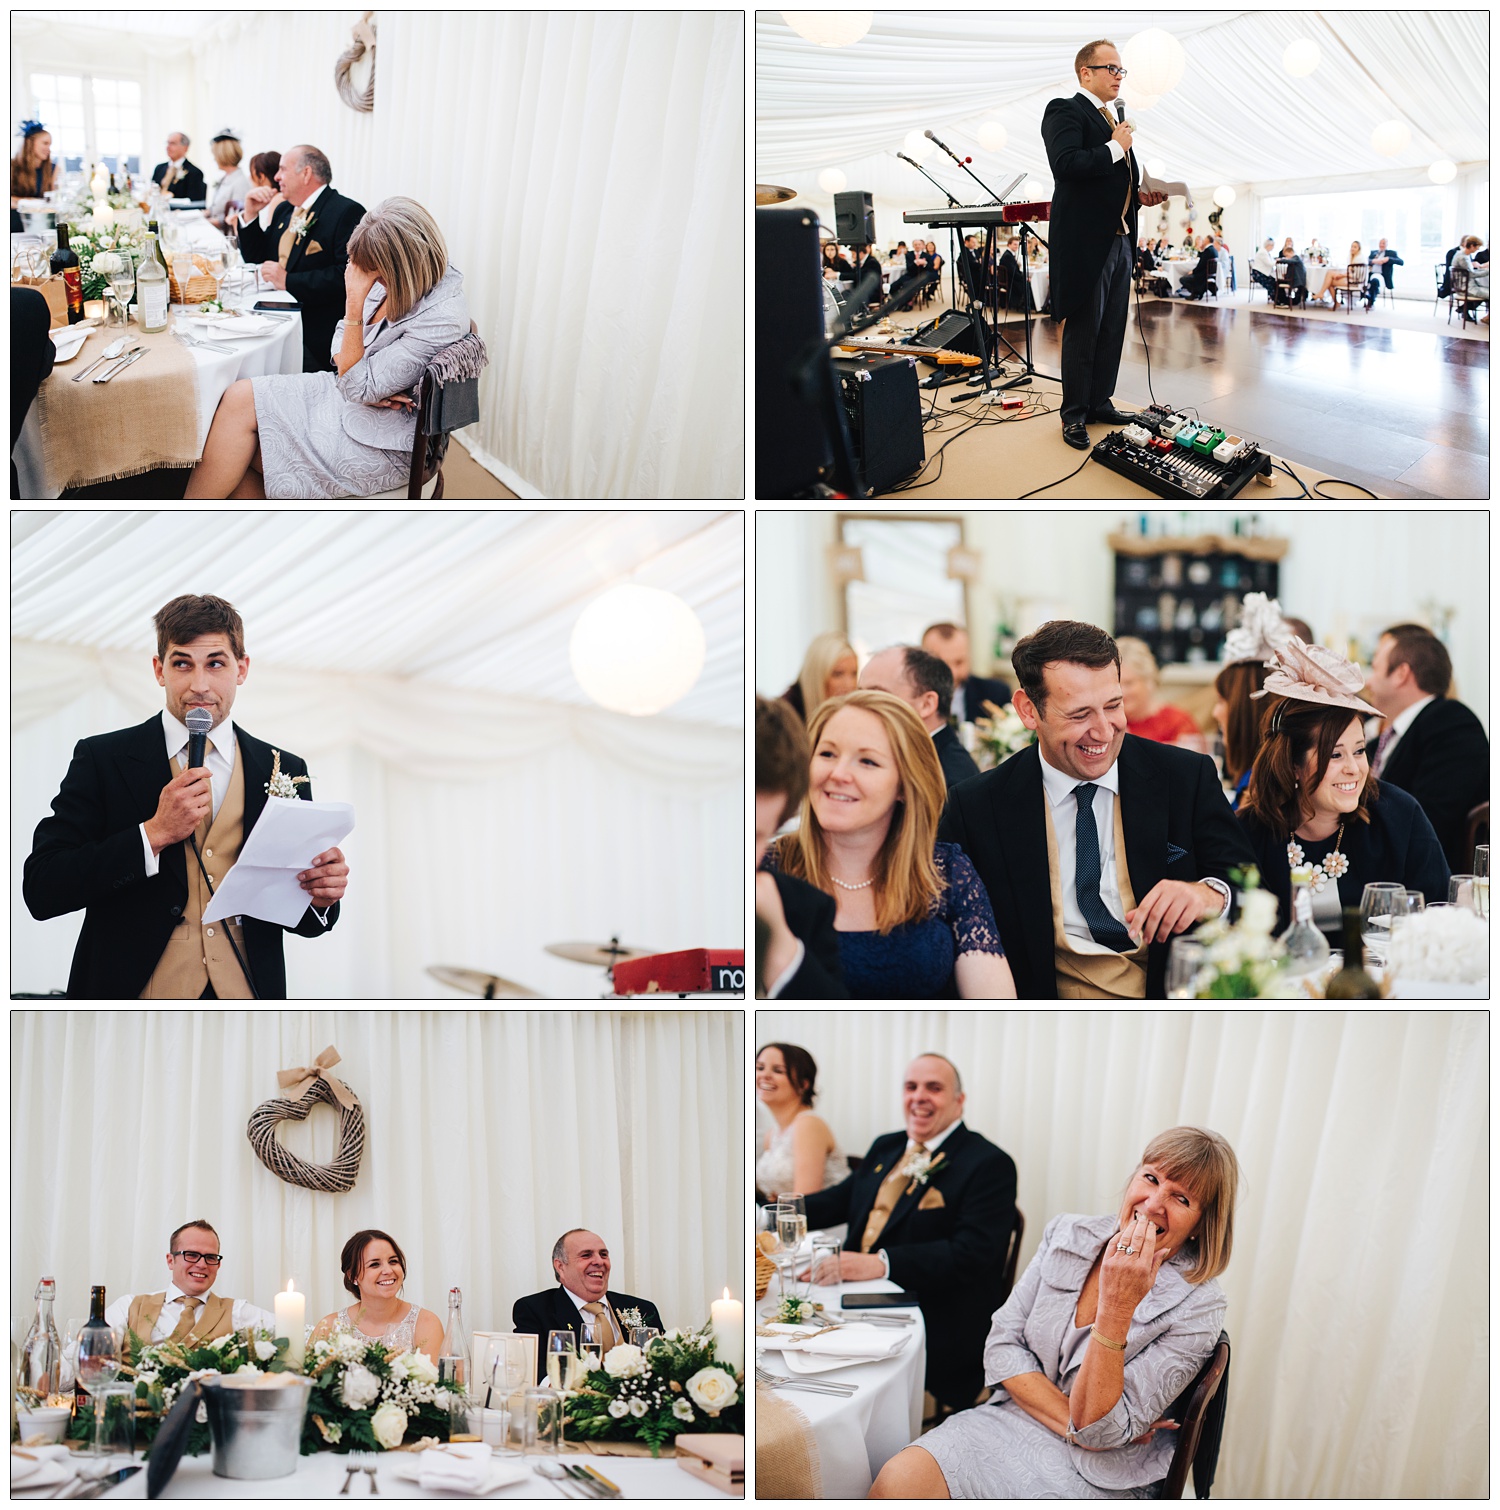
<point x="389" y="1424"/>
<point x="360" y="1387"/>
<point x="420" y="1367"/>
<point x="624" y="1361"/>
<point x="618" y="1408"/>
<point x="682" y="1410"/>
<point x="712" y="1390"/>
<point x="265" y="1350"/>
<point x="247" y="1368"/>
<point x="637" y="1407"/>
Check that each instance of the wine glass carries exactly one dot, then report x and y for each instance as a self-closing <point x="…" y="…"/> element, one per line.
<point x="1382" y="900"/>
<point x="1482" y="880"/>
<point x="590" y="1357"/>
<point x="182" y="268"/>
<point x="122" y="284"/>
<point x="98" y="1367"/>
<point x="216" y="269"/>
<point x="562" y="1359"/>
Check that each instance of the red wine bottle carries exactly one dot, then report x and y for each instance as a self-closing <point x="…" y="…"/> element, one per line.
<point x="66" y="265"/>
<point x="96" y="1322"/>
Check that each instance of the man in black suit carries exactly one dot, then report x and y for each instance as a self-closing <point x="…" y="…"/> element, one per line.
<point x="301" y="239"/>
<point x="1094" y="203"/>
<point x="800" y="959"/>
<point x="1095" y="847"/>
<point x="932" y="1209"/>
<point x="116" y="842"/>
<point x="925" y="685"/>
<point x="1195" y="285"/>
<point x="1433" y="747"/>
<point x="582" y="1303"/>
<point x="950" y="643"/>
<point x="31" y="357"/>
<point x="177" y="176"/>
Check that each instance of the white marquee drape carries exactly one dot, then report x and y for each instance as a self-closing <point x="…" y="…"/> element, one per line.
<point x="1359" y="1283"/>
<point x="488" y="1134"/>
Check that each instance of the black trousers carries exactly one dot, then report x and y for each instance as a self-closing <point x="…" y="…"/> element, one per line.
<point x="1093" y="338"/>
<point x="1267" y="283"/>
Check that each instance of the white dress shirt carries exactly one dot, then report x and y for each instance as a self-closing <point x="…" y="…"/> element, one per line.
<point x="265" y="215"/>
<point x="244" y="1313"/>
<point x="1093" y="101"/>
<point x="587" y="1319"/>
<point x="1399" y="725"/>
<point x="220" y="762"/>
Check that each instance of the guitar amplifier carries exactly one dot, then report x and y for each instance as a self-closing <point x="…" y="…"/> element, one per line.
<point x="721" y="971"/>
<point x="884" y="409"/>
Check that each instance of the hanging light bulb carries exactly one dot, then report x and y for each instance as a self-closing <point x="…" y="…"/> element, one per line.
<point x="1443" y="171"/>
<point x="1155" y="61"/>
<point x="918" y="146"/>
<point x="1301" y="57"/>
<point x="993" y="136"/>
<point x="1224" y="196"/>
<point x="637" y="650"/>
<point x="832" y="181"/>
<point x="1391" y="137"/>
<point x="830" y="28"/>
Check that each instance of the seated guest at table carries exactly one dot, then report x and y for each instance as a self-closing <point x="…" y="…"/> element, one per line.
<point x="835" y="263"/>
<point x="1145" y="259"/>
<point x="177" y="176"/>
<point x="1312" y="800"/>
<point x="582" y="1303"/>
<point x="925" y="685"/>
<point x="1107" y="1328"/>
<point x="1263" y="267"/>
<point x="187" y="1307"/>
<point x="800" y="959"/>
<point x="321" y="435"/>
<point x="1384" y="261"/>
<point x="230" y="191"/>
<point x="867" y="265"/>
<point x="1017" y="290"/>
<point x="1147" y="713"/>
<point x="950" y="643"/>
<point x="1195" y="284"/>
<point x="31" y="357"/>
<point x="264" y="167"/>
<point x="935" y="259"/>
<point x="1433" y="747"/>
<point x="802" y="1155"/>
<point x="1339" y="277"/>
<point x="374" y="1271"/>
<point x="1260" y="633"/>
<point x="1316" y="251"/>
<point x="1095" y="847"/>
<point x="930" y="1208"/>
<point x="970" y="271"/>
<point x="912" y="918"/>
<point x="829" y="669"/>
<point x="895" y="269"/>
<point x="33" y="174"/>
<point x="117" y="840"/>
<point x="1464" y="261"/>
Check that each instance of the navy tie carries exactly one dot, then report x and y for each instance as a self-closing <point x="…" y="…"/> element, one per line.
<point x="1105" y="928"/>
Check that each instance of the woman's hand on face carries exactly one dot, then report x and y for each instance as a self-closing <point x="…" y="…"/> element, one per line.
<point x="357" y="283"/>
<point x="1126" y="1279"/>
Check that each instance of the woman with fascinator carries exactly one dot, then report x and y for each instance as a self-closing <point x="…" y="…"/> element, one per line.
<point x="1249" y="648"/>
<point x="33" y="174"/>
<point x="1312" y="801"/>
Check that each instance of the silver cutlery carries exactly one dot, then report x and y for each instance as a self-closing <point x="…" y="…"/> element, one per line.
<point x="110" y="352"/>
<point x="813" y="1386"/>
<point x="122" y="364"/>
<point x="204" y="341"/>
<point x="602" y="1488"/>
<point x="349" y="1471"/>
<point x="566" y="1483"/>
<point x="370" y="1474"/>
<point x="108" y="1482"/>
<point x="867" y="1318"/>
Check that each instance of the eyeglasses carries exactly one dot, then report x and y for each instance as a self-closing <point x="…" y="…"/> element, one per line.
<point x="213" y="1260"/>
<point x="1111" y="68"/>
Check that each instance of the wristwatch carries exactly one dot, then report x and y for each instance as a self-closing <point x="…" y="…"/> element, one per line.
<point x="1222" y="887"/>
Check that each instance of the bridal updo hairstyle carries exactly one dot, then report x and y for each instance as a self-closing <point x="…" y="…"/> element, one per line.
<point x="352" y="1258"/>
<point x="402" y="245"/>
<point x="1204" y="1162"/>
<point x="801" y="1069"/>
<point x="1277" y="795"/>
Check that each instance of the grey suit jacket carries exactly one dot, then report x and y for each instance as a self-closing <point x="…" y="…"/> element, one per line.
<point x="1174" y="1330"/>
<point x="397" y="353"/>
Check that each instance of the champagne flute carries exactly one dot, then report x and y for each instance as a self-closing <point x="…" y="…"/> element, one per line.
<point x="216" y="269"/>
<point x="98" y="1366"/>
<point x="562" y="1359"/>
<point x="1461" y="893"/>
<point x="590" y="1357"/>
<point x="1381" y="901"/>
<point x="795" y="1205"/>
<point x="182" y="268"/>
<point x="1482" y="880"/>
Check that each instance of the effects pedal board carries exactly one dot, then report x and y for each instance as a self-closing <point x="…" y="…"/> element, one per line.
<point x="1175" y="457"/>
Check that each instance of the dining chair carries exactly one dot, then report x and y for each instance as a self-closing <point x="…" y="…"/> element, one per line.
<point x="1199" y="1413"/>
<point x="1012" y="1253"/>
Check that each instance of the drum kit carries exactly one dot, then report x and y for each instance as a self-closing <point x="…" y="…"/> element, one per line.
<point x="496" y="988"/>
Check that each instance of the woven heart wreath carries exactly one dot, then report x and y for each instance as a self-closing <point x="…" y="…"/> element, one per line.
<point x="310" y="1086"/>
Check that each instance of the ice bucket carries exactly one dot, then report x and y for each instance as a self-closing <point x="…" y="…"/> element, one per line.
<point x="256" y="1427"/>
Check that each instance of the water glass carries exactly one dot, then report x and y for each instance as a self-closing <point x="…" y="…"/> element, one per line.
<point x="1382" y="900"/>
<point x="541" y="1423"/>
<point x="642" y="1336"/>
<point x="1186" y="957"/>
<point x="466" y="1415"/>
<point x="98" y="1367"/>
<point x="1461" y="891"/>
<point x="825" y="1251"/>
<point x="114" y="1410"/>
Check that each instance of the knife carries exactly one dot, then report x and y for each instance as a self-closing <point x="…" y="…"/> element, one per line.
<point x="119" y="367"/>
<point x="107" y="1482"/>
<point x="608" y="1483"/>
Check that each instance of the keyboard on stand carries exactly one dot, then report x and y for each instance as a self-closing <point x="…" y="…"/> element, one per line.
<point x="1175" y="457"/>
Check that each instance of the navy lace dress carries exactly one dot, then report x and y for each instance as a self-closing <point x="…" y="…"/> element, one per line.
<point x="916" y="960"/>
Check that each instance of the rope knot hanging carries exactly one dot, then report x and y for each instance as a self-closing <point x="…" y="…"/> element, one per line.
<point x="311" y="1085"/>
<point x="364" y="40"/>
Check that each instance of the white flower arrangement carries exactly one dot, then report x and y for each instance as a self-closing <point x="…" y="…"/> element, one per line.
<point x="389" y="1424"/>
<point x="1243" y="959"/>
<point x="1449" y="945"/>
<point x="712" y="1389"/>
<point x="999" y="734"/>
<point x="366" y="1397"/>
<point x="624" y="1361"/>
<point x="360" y="1387"/>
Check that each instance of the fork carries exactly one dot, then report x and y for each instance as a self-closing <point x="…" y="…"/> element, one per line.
<point x="817" y="1387"/>
<point x="370" y="1461"/>
<point x="350" y="1469"/>
<point x="363" y="1462"/>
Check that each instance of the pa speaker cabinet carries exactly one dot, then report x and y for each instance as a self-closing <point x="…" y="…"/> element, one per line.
<point x="884" y="409"/>
<point x="854" y="212"/>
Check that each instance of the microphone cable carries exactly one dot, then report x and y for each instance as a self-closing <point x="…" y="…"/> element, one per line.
<point x="228" y="933"/>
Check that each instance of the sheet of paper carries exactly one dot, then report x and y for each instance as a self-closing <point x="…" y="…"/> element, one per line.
<point x="1160" y="186"/>
<point x="263" y="883"/>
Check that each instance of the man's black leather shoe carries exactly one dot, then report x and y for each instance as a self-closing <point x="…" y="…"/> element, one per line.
<point x="1112" y="416"/>
<point x="1076" y="436"/>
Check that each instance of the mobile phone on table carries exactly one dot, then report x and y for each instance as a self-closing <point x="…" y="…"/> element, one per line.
<point x="874" y="1300"/>
<point x="277" y="306"/>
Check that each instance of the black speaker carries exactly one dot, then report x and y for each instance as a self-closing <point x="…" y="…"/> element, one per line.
<point x="884" y="410"/>
<point x="854" y="212"/>
<point x="952" y="332"/>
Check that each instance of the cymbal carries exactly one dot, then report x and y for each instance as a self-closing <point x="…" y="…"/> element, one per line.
<point x="599" y="954"/>
<point x="479" y="983"/>
<point x="773" y="194"/>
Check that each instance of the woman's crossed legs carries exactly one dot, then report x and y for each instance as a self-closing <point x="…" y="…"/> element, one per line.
<point x="231" y="464"/>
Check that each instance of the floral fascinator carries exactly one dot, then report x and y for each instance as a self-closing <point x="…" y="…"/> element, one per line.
<point x="1314" y="674"/>
<point x="1261" y="631"/>
<point x="31" y="128"/>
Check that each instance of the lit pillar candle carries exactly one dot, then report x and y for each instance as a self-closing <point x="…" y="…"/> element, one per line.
<point x="104" y="214"/>
<point x="291" y="1314"/>
<point x="728" y="1319"/>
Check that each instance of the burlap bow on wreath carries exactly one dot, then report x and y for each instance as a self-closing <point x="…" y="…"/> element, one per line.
<point x="311" y="1085"/>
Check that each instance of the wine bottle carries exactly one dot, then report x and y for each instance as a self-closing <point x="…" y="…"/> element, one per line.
<point x="455" y="1343"/>
<point x="151" y="289"/>
<point x="1306" y="950"/>
<point x="41" y="1353"/>
<point x="1353" y="982"/>
<point x="65" y="265"/>
<point x="95" y="1323"/>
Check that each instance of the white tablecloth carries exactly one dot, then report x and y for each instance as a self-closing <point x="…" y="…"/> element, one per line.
<point x="1175" y="272"/>
<point x="857" y="1436"/>
<point x="1041" y="286"/>
<point x="321" y="1476"/>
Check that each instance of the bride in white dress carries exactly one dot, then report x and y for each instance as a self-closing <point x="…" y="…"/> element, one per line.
<point x="801" y="1154"/>
<point x="374" y="1270"/>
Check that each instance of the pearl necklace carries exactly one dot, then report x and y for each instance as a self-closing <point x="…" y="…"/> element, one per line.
<point x="1329" y="868"/>
<point x="858" y="886"/>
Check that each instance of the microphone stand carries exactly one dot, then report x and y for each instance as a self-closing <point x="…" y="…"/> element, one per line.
<point x="953" y="204"/>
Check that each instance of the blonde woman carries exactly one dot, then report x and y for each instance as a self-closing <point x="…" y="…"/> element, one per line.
<point x="829" y="669"/>
<point x="1147" y="714"/>
<point x="229" y="192"/>
<point x="912" y="917"/>
<point x="1340" y="278"/>
<point x="349" y="433"/>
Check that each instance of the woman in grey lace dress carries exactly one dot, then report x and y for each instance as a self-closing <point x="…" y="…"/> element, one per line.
<point x="374" y="1270"/>
<point x="1110" y="1323"/>
<point x="346" y="434"/>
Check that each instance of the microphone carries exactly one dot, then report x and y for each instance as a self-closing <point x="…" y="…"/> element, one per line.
<point x="904" y="158"/>
<point x="199" y="721"/>
<point x="949" y="150"/>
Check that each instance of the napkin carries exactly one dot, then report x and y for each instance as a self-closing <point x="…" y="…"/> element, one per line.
<point x="854" y="1341"/>
<point x="40" y="1467"/>
<point x="244" y="326"/>
<point x="464" y="1466"/>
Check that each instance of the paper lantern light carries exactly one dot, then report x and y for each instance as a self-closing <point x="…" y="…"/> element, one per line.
<point x="993" y="136"/>
<point x="637" y="650"/>
<point x="1155" y="61"/>
<point x="917" y="146"/>
<point x="1140" y="100"/>
<point x="1224" y="196"/>
<point x="1443" y="171"/>
<point x="1301" y="57"/>
<point x="833" y="181"/>
<point x="830" y="28"/>
<point x="1391" y="137"/>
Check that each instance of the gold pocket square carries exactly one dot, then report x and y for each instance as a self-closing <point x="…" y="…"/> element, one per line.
<point x="313" y="248"/>
<point x="932" y="1201"/>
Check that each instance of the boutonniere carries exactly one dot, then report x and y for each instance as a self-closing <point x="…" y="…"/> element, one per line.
<point x="280" y="784"/>
<point x="305" y="227"/>
<point x="632" y="1317"/>
<point x="920" y="1165"/>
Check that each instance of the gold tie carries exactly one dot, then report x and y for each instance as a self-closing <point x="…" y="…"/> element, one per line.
<point x="1124" y="230"/>
<point x="183" y="1330"/>
<point x="886" y="1197"/>
<point x="604" y="1328"/>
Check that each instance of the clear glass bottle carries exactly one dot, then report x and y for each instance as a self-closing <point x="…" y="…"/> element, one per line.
<point x="1306" y="948"/>
<point x="455" y="1343"/>
<point x="41" y="1353"/>
<point x="151" y="289"/>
